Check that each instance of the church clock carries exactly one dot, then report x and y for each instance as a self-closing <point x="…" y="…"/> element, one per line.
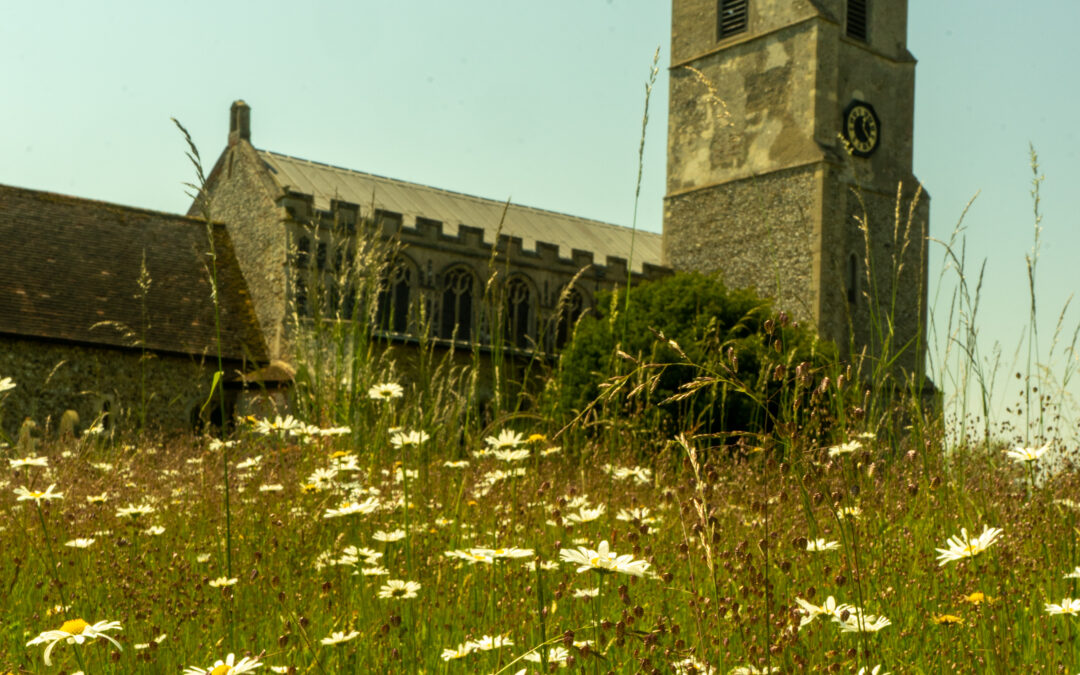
<point x="862" y="128"/>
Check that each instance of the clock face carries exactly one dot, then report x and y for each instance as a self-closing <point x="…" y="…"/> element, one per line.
<point x="862" y="128"/>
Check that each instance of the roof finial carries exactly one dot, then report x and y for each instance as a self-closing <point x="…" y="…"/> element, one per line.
<point x="239" y="122"/>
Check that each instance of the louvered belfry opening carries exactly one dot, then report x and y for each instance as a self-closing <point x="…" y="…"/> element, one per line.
<point x="856" y="20"/>
<point x="731" y="17"/>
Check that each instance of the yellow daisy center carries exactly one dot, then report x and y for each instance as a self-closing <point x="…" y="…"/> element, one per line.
<point x="74" y="626"/>
<point x="220" y="670"/>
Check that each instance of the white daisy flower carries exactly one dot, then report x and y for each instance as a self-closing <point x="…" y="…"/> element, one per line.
<point x="829" y="608"/>
<point x="1068" y="606"/>
<point x="506" y="440"/>
<point x="398" y="589"/>
<point x="385" y="391"/>
<point x="1021" y="454"/>
<point x="38" y="497"/>
<point x="75" y="631"/>
<point x="965" y="546"/>
<point x="337" y="637"/>
<point x="28" y="461"/>
<point x="394" y="535"/>
<point x="404" y="438"/>
<point x="227" y="667"/>
<point x="603" y="560"/>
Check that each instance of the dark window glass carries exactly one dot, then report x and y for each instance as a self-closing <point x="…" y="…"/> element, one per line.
<point x="392" y="312"/>
<point x="300" y="295"/>
<point x="853" y="279"/>
<point x="571" y="304"/>
<point x="457" y="305"/>
<point x="518" y="313"/>
<point x="303" y="252"/>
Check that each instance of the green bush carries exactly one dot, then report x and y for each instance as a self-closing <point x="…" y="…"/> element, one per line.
<point x="730" y="336"/>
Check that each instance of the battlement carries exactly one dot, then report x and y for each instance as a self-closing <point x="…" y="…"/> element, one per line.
<point x="463" y="241"/>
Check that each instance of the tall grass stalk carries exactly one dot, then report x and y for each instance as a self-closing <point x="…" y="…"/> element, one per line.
<point x="202" y="196"/>
<point x="1032" y="259"/>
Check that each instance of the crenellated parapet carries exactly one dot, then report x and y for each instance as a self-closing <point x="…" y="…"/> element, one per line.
<point x="540" y="287"/>
<point x="467" y="243"/>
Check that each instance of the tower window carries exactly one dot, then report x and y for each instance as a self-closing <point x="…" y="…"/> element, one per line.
<point x="852" y="279"/>
<point x="856" y="20"/>
<point x="731" y="18"/>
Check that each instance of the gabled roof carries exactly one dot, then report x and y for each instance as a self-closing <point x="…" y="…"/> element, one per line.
<point x="71" y="272"/>
<point x="325" y="183"/>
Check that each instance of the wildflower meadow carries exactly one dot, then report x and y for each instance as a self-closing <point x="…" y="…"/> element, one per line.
<point x="429" y="549"/>
<point x="411" y="512"/>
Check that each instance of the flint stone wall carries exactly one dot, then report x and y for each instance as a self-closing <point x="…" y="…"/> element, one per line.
<point x="52" y="377"/>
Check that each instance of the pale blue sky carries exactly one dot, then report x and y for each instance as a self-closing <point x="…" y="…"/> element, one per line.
<point x="540" y="102"/>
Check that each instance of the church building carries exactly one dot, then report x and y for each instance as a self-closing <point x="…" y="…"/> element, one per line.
<point x="789" y="170"/>
<point x="291" y="218"/>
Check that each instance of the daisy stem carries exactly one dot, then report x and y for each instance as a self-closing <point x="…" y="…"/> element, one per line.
<point x="858" y="590"/>
<point x="78" y="659"/>
<point x="52" y="557"/>
<point x="540" y="613"/>
<point x="765" y="572"/>
<point x="405" y="505"/>
<point x="596" y="618"/>
<point x="228" y="511"/>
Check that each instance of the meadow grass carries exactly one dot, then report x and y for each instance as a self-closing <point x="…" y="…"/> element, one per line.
<point x="724" y="535"/>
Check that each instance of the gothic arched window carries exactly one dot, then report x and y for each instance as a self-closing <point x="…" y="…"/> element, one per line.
<point x="456" y="315"/>
<point x="392" y="313"/>
<point x="518" y="313"/>
<point x="571" y="305"/>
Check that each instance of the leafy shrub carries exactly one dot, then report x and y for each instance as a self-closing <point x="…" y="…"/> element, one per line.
<point x="730" y="338"/>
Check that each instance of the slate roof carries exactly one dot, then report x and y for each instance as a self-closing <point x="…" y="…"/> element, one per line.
<point x="325" y="182"/>
<point x="70" y="271"/>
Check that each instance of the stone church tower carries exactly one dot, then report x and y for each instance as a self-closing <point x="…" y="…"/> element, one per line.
<point x="790" y="132"/>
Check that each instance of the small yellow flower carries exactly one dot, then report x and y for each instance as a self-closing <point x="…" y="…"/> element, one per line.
<point x="536" y="438"/>
<point x="947" y="620"/>
<point x="976" y="598"/>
